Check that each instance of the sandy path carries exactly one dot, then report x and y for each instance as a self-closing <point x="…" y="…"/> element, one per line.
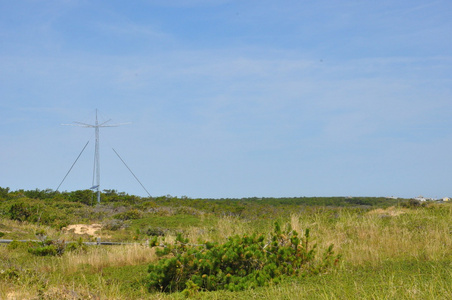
<point x="84" y="228"/>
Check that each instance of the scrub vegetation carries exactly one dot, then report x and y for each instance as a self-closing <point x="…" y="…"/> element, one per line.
<point x="253" y="248"/>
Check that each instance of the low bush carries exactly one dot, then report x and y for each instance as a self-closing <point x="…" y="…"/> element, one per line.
<point x="413" y="203"/>
<point x="129" y="215"/>
<point x="78" y="247"/>
<point x="240" y="263"/>
<point x="113" y="225"/>
<point x="156" y="231"/>
<point x="49" y="247"/>
<point x="35" y="211"/>
<point x="20" y="211"/>
<point x="18" y="245"/>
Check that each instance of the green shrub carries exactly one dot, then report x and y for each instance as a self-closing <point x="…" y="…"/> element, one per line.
<point x="48" y="248"/>
<point x="156" y="231"/>
<point x="129" y="215"/>
<point x="36" y="211"/>
<point x="14" y="245"/>
<point x="240" y="263"/>
<point x="412" y="203"/>
<point x="82" y="196"/>
<point x="19" y="211"/>
<point x="113" y="225"/>
<point x="78" y="246"/>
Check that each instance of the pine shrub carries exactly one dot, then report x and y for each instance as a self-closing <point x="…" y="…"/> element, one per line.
<point x="48" y="248"/>
<point x="242" y="262"/>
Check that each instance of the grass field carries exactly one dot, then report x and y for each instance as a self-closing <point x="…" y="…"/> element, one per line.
<point x="387" y="253"/>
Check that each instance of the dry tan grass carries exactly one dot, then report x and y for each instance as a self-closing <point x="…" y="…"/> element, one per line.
<point x="390" y="211"/>
<point x="384" y="234"/>
<point x="197" y="234"/>
<point x="229" y="226"/>
<point x="361" y="238"/>
<point x="95" y="257"/>
<point x="100" y="257"/>
<point x="27" y="229"/>
<point x="16" y="295"/>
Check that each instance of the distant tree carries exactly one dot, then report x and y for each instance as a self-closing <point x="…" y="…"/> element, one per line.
<point x="412" y="203"/>
<point x="110" y="192"/>
<point x="4" y="193"/>
<point x="20" y="211"/>
<point x="40" y="194"/>
<point x="83" y="196"/>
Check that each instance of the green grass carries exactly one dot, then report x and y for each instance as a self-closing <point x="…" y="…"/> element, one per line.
<point x="391" y="253"/>
<point x="127" y="280"/>
<point x="168" y="222"/>
<point x="391" y="280"/>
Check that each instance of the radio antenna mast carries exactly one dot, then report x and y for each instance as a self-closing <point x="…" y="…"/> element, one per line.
<point x="96" y="170"/>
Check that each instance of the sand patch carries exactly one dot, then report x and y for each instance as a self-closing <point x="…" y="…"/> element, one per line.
<point x="84" y="229"/>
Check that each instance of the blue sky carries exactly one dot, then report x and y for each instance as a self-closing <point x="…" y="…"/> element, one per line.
<point x="229" y="98"/>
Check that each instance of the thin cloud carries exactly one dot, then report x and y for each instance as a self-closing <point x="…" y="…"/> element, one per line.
<point x="128" y="29"/>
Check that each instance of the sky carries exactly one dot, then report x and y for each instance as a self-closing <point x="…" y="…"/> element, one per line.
<point x="228" y="99"/>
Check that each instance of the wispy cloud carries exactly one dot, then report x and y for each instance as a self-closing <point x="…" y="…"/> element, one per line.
<point x="130" y="29"/>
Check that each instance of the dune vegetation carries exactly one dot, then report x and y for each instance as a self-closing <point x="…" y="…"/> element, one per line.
<point x="382" y="248"/>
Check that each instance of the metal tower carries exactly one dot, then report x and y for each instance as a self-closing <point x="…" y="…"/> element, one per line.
<point x="96" y="169"/>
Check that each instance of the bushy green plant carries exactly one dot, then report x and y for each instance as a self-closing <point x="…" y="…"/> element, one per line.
<point x="240" y="263"/>
<point x="35" y="211"/>
<point x="56" y="248"/>
<point x="78" y="246"/>
<point x="19" y="211"/>
<point x="48" y="248"/>
<point x="129" y="215"/>
<point x="413" y="203"/>
<point x="113" y="225"/>
<point x="18" y="245"/>
<point x="155" y="231"/>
